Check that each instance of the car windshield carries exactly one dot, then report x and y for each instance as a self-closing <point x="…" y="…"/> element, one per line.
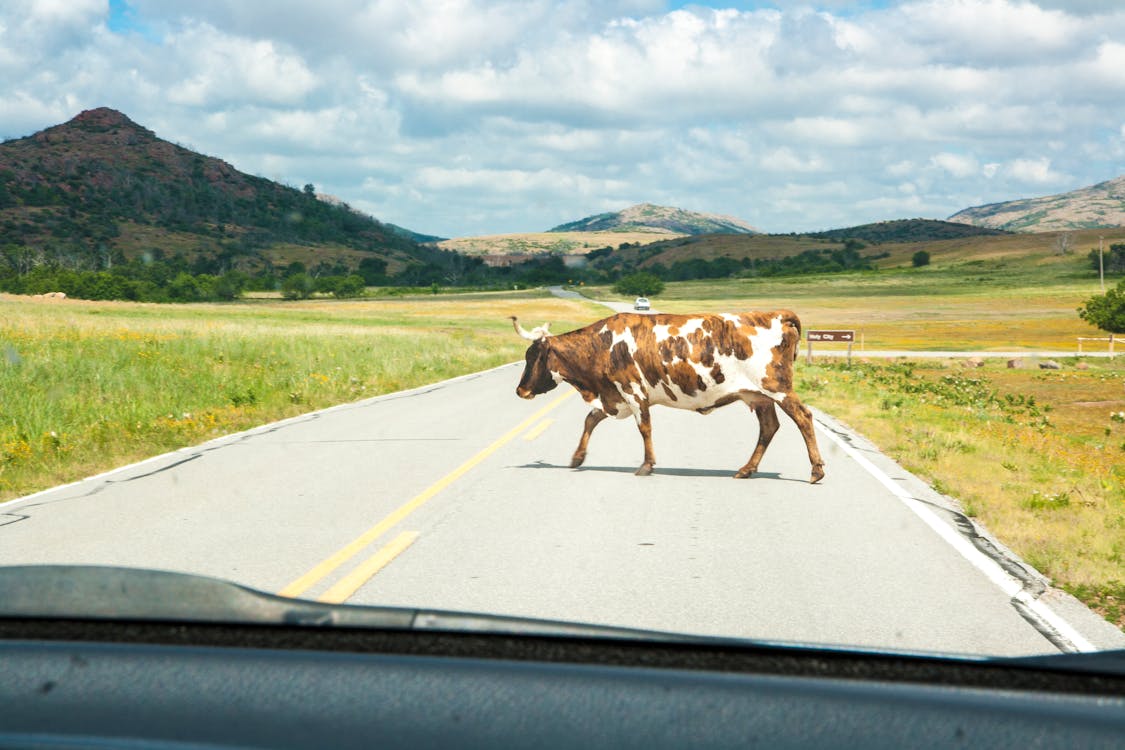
<point x="374" y="304"/>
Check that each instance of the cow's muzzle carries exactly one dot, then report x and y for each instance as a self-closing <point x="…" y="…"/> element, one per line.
<point x="526" y="393"/>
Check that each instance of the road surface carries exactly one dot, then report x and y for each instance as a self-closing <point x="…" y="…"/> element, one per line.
<point x="459" y="496"/>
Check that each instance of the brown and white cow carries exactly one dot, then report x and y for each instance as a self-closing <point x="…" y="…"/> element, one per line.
<point x="627" y="363"/>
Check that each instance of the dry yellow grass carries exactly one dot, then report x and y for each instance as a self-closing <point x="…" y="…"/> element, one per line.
<point x="1041" y="246"/>
<point x="1047" y="480"/>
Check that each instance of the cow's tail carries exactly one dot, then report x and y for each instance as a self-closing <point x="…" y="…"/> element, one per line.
<point x="792" y="332"/>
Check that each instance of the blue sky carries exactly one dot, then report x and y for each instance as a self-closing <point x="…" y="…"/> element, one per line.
<point x="459" y="117"/>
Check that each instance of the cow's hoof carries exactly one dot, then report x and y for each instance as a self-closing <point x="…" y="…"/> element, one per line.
<point x="817" y="474"/>
<point x="645" y="470"/>
<point x="744" y="474"/>
<point x="577" y="460"/>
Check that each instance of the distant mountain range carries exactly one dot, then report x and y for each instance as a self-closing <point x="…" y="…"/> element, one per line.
<point x="649" y="216"/>
<point x="1101" y="205"/>
<point x="101" y="185"/>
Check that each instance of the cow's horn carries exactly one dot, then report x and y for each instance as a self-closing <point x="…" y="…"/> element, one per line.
<point x="520" y="330"/>
<point x="535" y="334"/>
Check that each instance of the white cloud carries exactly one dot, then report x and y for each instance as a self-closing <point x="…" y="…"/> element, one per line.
<point x="457" y="116"/>
<point x="958" y="165"/>
<point x="1035" y="171"/>
<point x="224" y="68"/>
<point x="785" y="159"/>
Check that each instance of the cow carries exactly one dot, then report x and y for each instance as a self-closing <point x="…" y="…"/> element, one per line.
<point x="627" y="363"/>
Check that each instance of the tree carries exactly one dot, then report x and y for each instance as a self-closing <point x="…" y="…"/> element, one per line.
<point x="921" y="258"/>
<point x="639" y="284"/>
<point x="298" y="286"/>
<point x="1106" y="311"/>
<point x="1114" y="260"/>
<point x="349" y="286"/>
<point x="373" y="271"/>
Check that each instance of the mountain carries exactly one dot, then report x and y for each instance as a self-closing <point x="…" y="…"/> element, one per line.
<point x="1101" y="205"/>
<point x="101" y="186"/>
<point x="648" y="216"/>
<point x="906" y="230"/>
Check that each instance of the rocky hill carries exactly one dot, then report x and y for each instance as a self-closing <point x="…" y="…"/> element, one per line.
<point x="1101" y="205"/>
<point x="101" y="186"/>
<point x="648" y="216"/>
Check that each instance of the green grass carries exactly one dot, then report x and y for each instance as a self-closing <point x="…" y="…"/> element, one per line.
<point x="85" y="386"/>
<point x="1005" y="303"/>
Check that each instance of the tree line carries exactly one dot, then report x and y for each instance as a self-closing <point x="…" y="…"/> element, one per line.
<point x="107" y="274"/>
<point x="154" y="277"/>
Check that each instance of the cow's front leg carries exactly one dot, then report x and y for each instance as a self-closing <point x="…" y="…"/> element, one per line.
<point x="644" y="424"/>
<point x="593" y="419"/>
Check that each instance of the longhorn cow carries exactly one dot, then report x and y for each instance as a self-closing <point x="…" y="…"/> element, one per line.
<point x="627" y="363"/>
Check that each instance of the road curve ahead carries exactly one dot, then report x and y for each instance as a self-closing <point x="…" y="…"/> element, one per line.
<point x="459" y="496"/>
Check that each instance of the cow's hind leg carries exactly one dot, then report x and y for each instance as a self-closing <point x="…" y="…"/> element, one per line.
<point x="593" y="419"/>
<point x="801" y="415"/>
<point x="767" y="428"/>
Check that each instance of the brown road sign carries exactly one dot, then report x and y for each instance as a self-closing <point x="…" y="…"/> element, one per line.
<point x="847" y="336"/>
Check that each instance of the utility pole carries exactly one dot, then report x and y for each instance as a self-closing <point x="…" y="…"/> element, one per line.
<point x="1101" y="263"/>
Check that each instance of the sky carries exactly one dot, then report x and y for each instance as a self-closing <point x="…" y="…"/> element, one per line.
<point x="468" y="117"/>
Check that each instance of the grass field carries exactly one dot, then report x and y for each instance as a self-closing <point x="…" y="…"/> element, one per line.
<point x="1035" y="455"/>
<point x="994" y="303"/>
<point x="85" y="386"/>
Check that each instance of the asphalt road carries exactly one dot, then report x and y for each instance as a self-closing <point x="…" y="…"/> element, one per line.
<point x="459" y="496"/>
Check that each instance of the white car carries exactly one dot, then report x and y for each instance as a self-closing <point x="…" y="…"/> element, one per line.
<point x="641" y="303"/>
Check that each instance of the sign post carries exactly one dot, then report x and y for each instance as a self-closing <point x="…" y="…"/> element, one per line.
<point x="848" y="336"/>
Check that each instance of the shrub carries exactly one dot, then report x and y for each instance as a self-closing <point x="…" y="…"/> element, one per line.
<point x="1106" y="311"/>
<point x="298" y="286"/>
<point x="640" y="284"/>
<point x="921" y="258"/>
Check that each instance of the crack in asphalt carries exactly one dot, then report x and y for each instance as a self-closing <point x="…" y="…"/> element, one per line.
<point x="7" y="519"/>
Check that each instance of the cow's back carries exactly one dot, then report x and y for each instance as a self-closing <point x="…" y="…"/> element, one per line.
<point x="700" y="361"/>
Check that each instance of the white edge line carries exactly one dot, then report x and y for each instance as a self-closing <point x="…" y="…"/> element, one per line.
<point x="991" y="570"/>
<point x="216" y="442"/>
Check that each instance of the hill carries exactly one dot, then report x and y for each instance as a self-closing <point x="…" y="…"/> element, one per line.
<point x="758" y="247"/>
<point x="1101" y="205"/>
<point x="646" y="216"/>
<point x="907" y="230"/>
<point x="101" y="188"/>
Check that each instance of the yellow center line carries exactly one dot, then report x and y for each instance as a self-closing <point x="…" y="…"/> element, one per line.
<point x="538" y="429"/>
<point x="353" y="548"/>
<point x="363" y="573"/>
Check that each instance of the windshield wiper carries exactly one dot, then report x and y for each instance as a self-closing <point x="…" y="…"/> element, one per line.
<point x="133" y="594"/>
